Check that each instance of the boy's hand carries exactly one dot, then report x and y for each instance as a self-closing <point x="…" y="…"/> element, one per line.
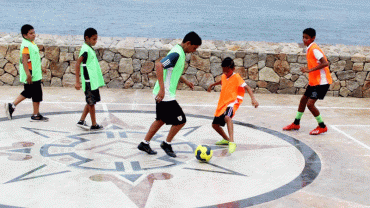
<point x="255" y="103"/>
<point x="209" y="88"/>
<point x="160" y="96"/>
<point x="304" y="69"/>
<point x="78" y="85"/>
<point x="190" y="84"/>
<point x="29" y="79"/>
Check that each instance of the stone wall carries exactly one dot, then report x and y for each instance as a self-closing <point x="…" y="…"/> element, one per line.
<point x="129" y="63"/>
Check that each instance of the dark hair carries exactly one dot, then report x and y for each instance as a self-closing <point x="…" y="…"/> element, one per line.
<point x="193" y="38"/>
<point x="89" y="32"/>
<point x="310" y="32"/>
<point x="25" y="28"/>
<point x="228" y="62"/>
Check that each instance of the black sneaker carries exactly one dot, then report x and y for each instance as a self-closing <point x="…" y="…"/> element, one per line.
<point x="9" y="110"/>
<point x="83" y="125"/>
<point x="96" y="127"/>
<point x="146" y="148"/>
<point x="168" y="149"/>
<point x="39" y="117"/>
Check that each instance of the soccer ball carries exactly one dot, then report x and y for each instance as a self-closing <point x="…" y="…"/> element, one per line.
<point x="203" y="153"/>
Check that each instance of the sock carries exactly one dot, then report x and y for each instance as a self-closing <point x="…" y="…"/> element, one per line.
<point x="145" y="142"/>
<point x="13" y="106"/>
<point x="320" y="121"/>
<point x="298" y="118"/>
<point x="167" y="142"/>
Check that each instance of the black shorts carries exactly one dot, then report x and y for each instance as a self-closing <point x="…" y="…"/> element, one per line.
<point x="221" y="119"/>
<point x="317" y="92"/>
<point x="92" y="96"/>
<point x="33" y="91"/>
<point x="170" y="113"/>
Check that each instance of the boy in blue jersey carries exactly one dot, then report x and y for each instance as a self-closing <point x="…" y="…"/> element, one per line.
<point x="168" y="111"/>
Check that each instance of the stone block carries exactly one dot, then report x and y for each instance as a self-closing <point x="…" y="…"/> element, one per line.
<point x="125" y="66"/>
<point x="301" y="82"/>
<point x="13" y="57"/>
<point x="10" y="68"/>
<point x="250" y="60"/>
<point x="253" y="73"/>
<point x="7" y="79"/>
<point x="199" y="63"/>
<point x="216" y="69"/>
<point x="345" y="75"/>
<point x="358" y="67"/>
<point x="141" y="54"/>
<point x="281" y="67"/>
<point x="242" y="72"/>
<point x="268" y="74"/>
<point x="338" y="66"/>
<point x="358" y="58"/>
<point x="52" y="53"/>
<point x="68" y="80"/>
<point x="147" y="67"/>
<point x="58" y="69"/>
<point x="344" y="92"/>
<point x="104" y="66"/>
<point x="56" y="82"/>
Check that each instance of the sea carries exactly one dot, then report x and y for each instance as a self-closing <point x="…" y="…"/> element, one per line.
<point x="335" y="21"/>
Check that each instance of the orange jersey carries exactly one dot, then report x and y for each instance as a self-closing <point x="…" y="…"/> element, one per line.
<point x="315" y="77"/>
<point x="232" y="93"/>
<point x="26" y="51"/>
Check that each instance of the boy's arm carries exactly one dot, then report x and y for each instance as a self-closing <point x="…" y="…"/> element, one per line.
<point x="25" y="58"/>
<point x="250" y="92"/>
<point x="189" y="84"/>
<point x="159" y="73"/>
<point x="77" y="72"/>
<point x="212" y="85"/>
<point x="323" y="63"/>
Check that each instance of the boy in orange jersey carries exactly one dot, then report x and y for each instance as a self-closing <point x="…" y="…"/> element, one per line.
<point x="232" y="94"/>
<point x="319" y="80"/>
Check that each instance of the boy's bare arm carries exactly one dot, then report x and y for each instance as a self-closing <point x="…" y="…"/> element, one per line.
<point x="323" y="63"/>
<point x="77" y="72"/>
<point x="189" y="84"/>
<point x="25" y="58"/>
<point x="250" y="92"/>
<point x="212" y="85"/>
<point x="159" y="73"/>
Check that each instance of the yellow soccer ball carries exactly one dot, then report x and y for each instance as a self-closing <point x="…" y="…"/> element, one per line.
<point x="203" y="153"/>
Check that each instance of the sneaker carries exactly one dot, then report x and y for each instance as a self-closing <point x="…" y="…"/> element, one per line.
<point x="9" y="110"/>
<point x="146" y="148"/>
<point x="168" y="149"/>
<point x="232" y="147"/>
<point x="83" y="125"/>
<point x="39" y="117"/>
<point x="319" y="130"/>
<point x="96" y="127"/>
<point x="291" y="127"/>
<point x="222" y="142"/>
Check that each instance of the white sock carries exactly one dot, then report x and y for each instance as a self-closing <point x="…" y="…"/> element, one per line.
<point x="13" y="106"/>
<point x="145" y="142"/>
<point x="168" y="142"/>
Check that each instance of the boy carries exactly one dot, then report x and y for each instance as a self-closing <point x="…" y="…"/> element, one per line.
<point x="231" y="96"/>
<point x="319" y="80"/>
<point x="91" y="77"/>
<point x="168" y="111"/>
<point x="30" y="74"/>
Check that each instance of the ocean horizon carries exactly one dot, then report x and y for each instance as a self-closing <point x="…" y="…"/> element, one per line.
<point x="336" y="22"/>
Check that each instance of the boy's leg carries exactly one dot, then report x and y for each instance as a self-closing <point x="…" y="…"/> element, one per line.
<point x="36" y="108"/>
<point x="156" y="125"/>
<point x="18" y="100"/>
<point x="144" y="145"/>
<point x="92" y="114"/>
<point x="173" y="131"/>
<point x="230" y="128"/>
<point x="297" y="120"/>
<point x="220" y="131"/>
<point x="85" y="112"/>
<point x="316" y="113"/>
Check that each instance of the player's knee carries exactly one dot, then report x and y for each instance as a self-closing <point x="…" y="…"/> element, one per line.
<point x="215" y="126"/>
